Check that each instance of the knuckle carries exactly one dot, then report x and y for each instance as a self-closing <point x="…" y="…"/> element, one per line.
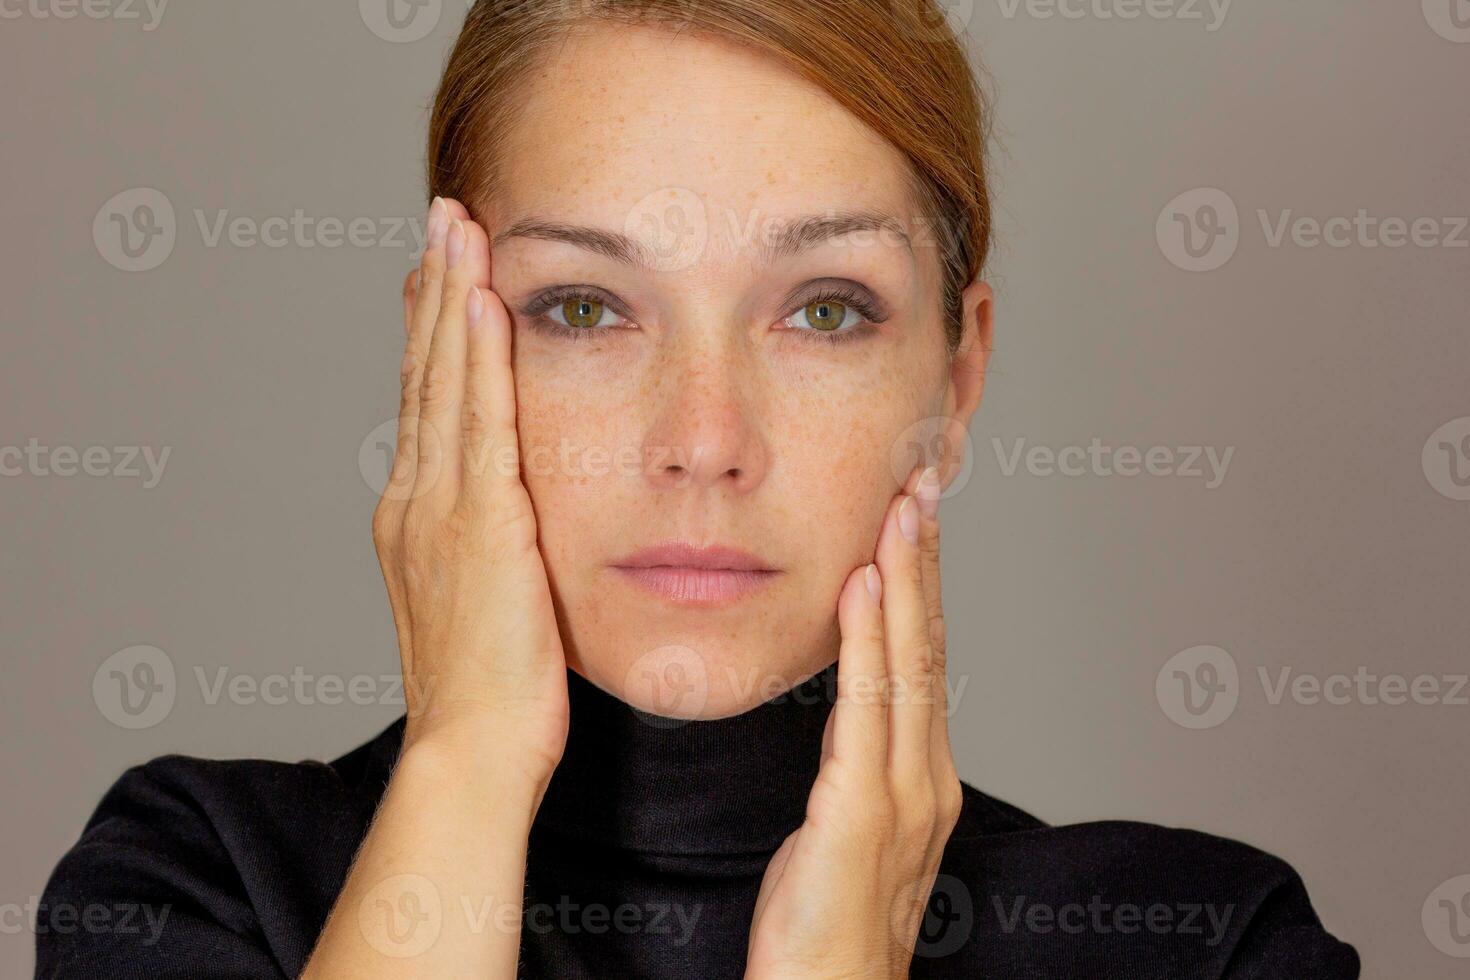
<point x="435" y="387"/>
<point x="918" y="659"/>
<point x="938" y="640"/>
<point x="408" y="377"/>
<point x="475" y="417"/>
<point x="431" y="277"/>
<point x="951" y="802"/>
<point x="385" y="525"/>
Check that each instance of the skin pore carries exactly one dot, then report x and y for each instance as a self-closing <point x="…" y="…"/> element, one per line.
<point x="750" y="428"/>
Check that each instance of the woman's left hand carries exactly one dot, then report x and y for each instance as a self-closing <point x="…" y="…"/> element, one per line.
<point x="845" y="894"/>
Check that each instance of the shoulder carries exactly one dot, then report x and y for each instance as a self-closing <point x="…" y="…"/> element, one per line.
<point x="184" y="857"/>
<point x="1122" y="898"/>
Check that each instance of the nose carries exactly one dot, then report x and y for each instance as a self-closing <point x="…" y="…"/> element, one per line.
<point x="705" y="431"/>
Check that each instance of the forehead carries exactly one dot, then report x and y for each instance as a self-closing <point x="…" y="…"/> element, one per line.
<point x="618" y="119"/>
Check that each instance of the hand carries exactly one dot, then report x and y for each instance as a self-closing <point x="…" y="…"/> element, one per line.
<point x="455" y="530"/>
<point x="845" y="894"/>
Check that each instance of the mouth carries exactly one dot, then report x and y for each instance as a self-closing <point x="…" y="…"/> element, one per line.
<point x="689" y="575"/>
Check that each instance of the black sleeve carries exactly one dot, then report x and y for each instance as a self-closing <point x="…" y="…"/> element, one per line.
<point x="1285" y="939"/>
<point x="148" y="893"/>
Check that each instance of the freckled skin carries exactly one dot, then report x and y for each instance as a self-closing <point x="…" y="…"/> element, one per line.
<point x="709" y="376"/>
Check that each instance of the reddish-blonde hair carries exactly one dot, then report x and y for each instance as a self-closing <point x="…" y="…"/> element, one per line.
<point x="894" y="64"/>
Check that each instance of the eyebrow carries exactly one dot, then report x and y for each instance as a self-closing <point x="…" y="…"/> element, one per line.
<point x="785" y="239"/>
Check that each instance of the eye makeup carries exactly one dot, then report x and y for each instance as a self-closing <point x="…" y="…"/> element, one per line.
<point x="851" y="295"/>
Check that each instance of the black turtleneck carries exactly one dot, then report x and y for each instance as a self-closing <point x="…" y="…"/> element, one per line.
<point x="645" y="860"/>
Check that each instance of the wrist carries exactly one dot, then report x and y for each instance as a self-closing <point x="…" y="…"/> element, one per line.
<point x="481" y="757"/>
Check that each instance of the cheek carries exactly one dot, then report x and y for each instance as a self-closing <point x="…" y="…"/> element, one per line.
<point x="844" y="451"/>
<point x="576" y="456"/>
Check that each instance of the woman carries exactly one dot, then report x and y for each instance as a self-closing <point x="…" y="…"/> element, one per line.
<point x="669" y="617"/>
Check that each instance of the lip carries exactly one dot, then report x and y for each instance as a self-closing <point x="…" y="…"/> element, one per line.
<point x="696" y="576"/>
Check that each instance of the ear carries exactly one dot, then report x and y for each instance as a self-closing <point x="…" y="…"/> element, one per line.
<point x="967" y="373"/>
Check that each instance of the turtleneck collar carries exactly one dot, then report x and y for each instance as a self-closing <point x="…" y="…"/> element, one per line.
<point x="643" y="783"/>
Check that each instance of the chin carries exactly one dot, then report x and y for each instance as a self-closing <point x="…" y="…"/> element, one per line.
<point x="687" y="677"/>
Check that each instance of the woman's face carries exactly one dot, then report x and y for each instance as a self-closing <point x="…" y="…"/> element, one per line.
<point x="694" y="398"/>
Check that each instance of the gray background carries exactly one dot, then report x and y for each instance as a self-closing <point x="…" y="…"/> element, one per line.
<point x="1327" y="547"/>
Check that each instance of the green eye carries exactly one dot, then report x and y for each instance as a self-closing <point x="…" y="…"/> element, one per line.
<point x="825" y="315"/>
<point x="582" y="313"/>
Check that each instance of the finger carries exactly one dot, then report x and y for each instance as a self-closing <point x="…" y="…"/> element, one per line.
<point x="410" y="300"/>
<point x="927" y="489"/>
<point x="442" y="391"/>
<point x="860" y="725"/>
<point x="491" y="444"/>
<point x="420" y="327"/>
<point x="906" y="630"/>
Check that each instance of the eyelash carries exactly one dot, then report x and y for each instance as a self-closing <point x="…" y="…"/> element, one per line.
<point x="537" y="309"/>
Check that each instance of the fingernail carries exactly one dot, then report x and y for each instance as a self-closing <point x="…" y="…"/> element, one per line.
<point x="928" y="492"/>
<point x="457" y="242"/>
<point x="908" y="520"/>
<point x="875" y="583"/>
<point x="438" y="223"/>
<point x="476" y="306"/>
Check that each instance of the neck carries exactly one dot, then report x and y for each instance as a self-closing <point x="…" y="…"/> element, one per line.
<point x="734" y="785"/>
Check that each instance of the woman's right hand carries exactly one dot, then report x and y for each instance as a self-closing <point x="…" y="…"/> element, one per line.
<point x="455" y="530"/>
<point x="483" y="669"/>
